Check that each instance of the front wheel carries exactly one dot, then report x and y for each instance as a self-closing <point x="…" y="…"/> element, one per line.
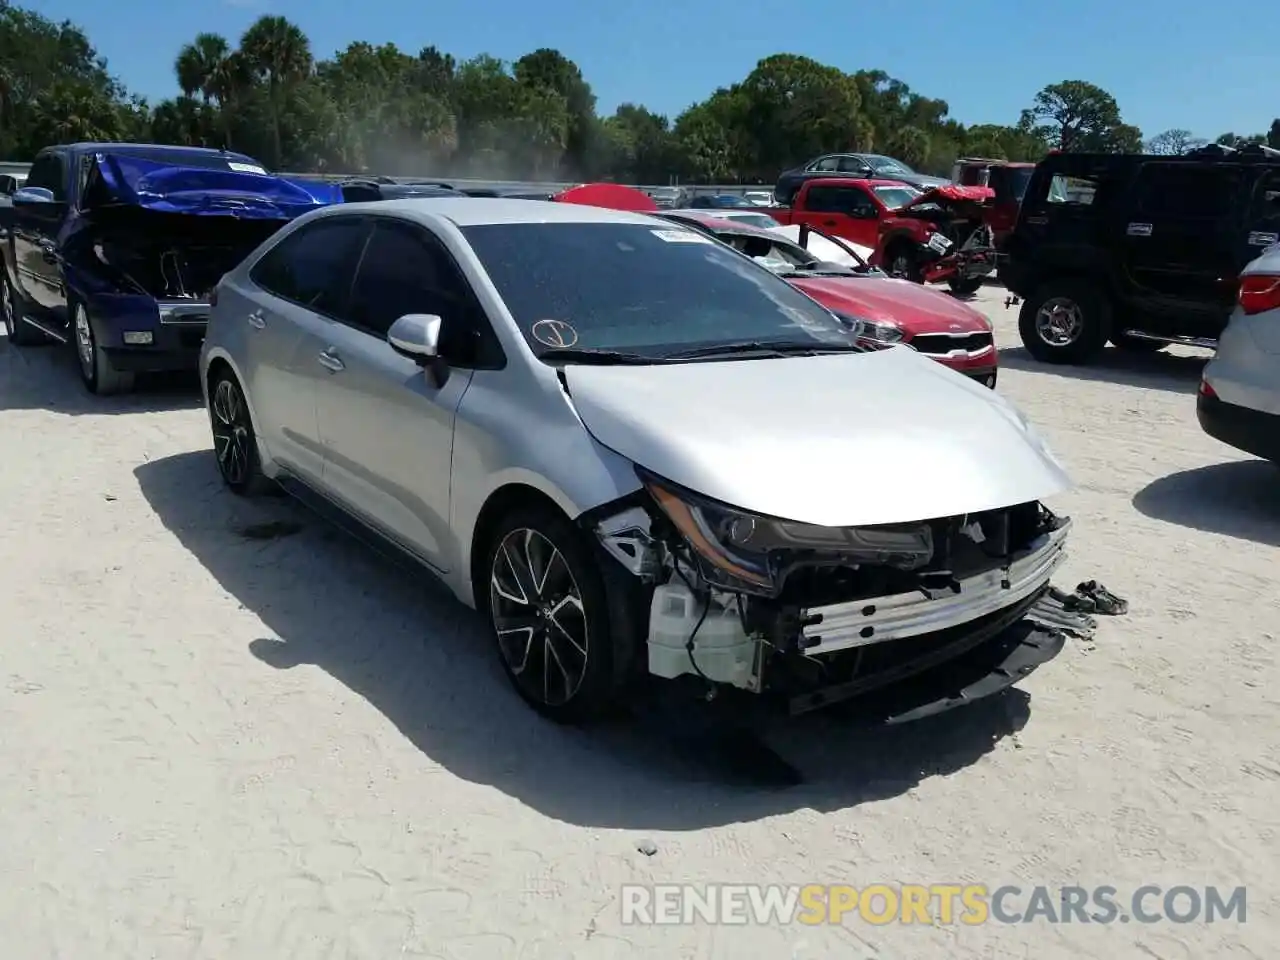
<point x="96" y="372"/>
<point x="905" y="265"/>
<point x="549" y="610"/>
<point x="1065" y="321"/>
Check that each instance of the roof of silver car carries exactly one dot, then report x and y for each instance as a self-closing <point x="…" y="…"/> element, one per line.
<point x="474" y="211"/>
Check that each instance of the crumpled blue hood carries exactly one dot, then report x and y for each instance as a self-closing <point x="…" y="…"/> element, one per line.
<point x="202" y="191"/>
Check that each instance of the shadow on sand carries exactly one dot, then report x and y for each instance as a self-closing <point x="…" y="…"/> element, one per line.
<point x="424" y="661"/>
<point x="1240" y="498"/>
<point x="1177" y="373"/>
<point x="45" y="377"/>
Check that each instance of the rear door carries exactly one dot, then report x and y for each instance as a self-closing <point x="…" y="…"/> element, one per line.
<point x="295" y="292"/>
<point x="1181" y="238"/>
<point x="1262" y="219"/>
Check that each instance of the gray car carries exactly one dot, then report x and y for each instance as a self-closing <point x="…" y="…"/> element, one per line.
<point x="635" y="451"/>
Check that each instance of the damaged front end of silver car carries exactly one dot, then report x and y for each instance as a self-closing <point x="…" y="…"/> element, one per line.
<point x="951" y="608"/>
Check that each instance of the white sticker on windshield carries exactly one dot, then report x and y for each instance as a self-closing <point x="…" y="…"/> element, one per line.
<point x="680" y="236"/>
<point x="246" y="168"/>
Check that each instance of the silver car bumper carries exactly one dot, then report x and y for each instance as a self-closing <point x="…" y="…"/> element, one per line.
<point x="841" y="626"/>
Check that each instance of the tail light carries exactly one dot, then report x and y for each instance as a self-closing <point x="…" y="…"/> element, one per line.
<point x="1206" y="390"/>
<point x="1259" y="292"/>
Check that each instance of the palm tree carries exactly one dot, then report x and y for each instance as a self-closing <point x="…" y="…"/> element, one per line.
<point x="208" y="66"/>
<point x="278" y="52"/>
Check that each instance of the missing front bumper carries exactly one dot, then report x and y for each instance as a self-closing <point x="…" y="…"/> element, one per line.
<point x="841" y="626"/>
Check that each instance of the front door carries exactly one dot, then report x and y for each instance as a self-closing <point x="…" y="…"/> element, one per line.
<point x="1179" y="241"/>
<point x="296" y="290"/>
<point x="387" y="423"/>
<point x="844" y="210"/>
<point x="35" y="234"/>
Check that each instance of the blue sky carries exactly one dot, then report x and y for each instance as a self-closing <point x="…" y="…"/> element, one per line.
<point x="1169" y="63"/>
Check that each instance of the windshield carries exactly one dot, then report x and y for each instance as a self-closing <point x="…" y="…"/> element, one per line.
<point x="895" y="197"/>
<point x="190" y="158"/>
<point x="888" y="165"/>
<point x="649" y="290"/>
<point x="774" y="253"/>
<point x="1019" y="177"/>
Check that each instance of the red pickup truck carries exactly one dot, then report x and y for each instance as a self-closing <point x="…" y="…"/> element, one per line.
<point x="850" y="209"/>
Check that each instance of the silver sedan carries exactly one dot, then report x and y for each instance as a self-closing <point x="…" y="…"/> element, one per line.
<point x="634" y="450"/>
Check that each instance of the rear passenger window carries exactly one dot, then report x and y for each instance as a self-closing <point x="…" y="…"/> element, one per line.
<point x="315" y="265"/>
<point x="1185" y="191"/>
<point x="1074" y="190"/>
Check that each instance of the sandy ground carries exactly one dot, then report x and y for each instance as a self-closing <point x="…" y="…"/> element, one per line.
<point x="216" y="746"/>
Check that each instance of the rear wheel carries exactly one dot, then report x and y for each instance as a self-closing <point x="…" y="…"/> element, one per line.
<point x="96" y="372"/>
<point x="548" y="606"/>
<point x="1065" y="321"/>
<point x="234" y="442"/>
<point x="965" y="288"/>
<point x="20" y="334"/>
<point x="1136" y="344"/>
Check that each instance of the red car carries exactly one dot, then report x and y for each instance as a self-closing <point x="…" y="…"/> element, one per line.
<point x="941" y="235"/>
<point x="889" y="310"/>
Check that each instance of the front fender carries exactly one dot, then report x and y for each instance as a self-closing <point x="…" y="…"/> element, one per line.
<point x="517" y="426"/>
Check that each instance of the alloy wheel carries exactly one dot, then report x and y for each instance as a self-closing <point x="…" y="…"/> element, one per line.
<point x="6" y="305"/>
<point x="231" y="432"/>
<point x="85" y="347"/>
<point x="539" y="618"/>
<point x="1059" y="322"/>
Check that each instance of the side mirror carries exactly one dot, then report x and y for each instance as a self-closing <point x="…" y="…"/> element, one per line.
<point x="8" y="185"/>
<point x="416" y="336"/>
<point x="33" y="195"/>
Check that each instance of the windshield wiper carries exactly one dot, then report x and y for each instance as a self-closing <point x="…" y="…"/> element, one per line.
<point x="776" y="348"/>
<point x="589" y="355"/>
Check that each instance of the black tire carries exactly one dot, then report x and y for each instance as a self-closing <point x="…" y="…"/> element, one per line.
<point x="570" y="660"/>
<point x="1136" y="344"/>
<point x="96" y="372"/>
<point x="965" y="288"/>
<point x="1075" y="327"/>
<point x="20" y="334"/>
<point x="901" y="261"/>
<point x="235" y="445"/>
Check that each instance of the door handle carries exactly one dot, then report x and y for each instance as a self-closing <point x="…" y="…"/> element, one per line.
<point x="331" y="362"/>
<point x="828" y="223"/>
<point x="256" y="320"/>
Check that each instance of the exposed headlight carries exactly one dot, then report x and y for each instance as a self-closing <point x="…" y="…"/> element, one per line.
<point x="877" y="331"/>
<point x="744" y="551"/>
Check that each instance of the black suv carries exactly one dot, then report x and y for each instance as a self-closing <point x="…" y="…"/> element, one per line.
<point x="1141" y="251"/>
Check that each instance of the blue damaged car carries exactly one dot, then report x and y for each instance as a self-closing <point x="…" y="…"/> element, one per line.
<point x="115" y="249"/>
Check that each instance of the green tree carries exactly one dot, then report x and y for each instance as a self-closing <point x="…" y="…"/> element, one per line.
<point x="1079" y="116"/>
<point x="1173" y="142"/>
<point x="278" y="53"/>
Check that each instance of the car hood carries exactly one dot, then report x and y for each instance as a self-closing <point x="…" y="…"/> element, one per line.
<point x="950" y="193"/>
<point x="121" y="183"/>
<point x="914" y="307"/>
<point x="886" y="436"/>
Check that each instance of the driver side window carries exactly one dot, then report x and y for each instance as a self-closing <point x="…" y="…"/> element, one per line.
<point x="406" y="270"/>
<point x="852" y="165"/>
<point x="47" y="172"/>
